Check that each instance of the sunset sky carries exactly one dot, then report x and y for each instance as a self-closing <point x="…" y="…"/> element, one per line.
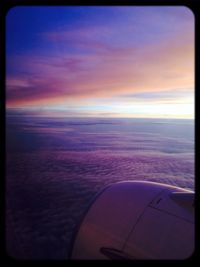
<point x="101" y="61"/>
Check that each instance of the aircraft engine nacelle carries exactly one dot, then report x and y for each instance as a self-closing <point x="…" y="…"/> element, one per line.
<point x="137" y="220"/>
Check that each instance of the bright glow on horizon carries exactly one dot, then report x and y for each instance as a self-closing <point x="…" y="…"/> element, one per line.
<point x="165" y="110"/>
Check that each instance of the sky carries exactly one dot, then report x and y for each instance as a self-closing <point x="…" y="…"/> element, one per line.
<point x="96" y="61"/>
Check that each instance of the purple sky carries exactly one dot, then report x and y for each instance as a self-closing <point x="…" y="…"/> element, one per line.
<point x="97" y="61"/>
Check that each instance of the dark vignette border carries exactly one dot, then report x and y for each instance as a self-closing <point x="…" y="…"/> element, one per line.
<point x="5" y="6"/>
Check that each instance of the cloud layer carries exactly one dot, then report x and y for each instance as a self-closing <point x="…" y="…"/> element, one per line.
<point x="56" y="166"/>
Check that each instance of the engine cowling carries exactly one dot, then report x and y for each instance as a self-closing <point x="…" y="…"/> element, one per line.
<point x="137" y="220"/>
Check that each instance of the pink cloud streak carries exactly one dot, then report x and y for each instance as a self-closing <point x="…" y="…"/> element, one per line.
<point x="106" y="72"/>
